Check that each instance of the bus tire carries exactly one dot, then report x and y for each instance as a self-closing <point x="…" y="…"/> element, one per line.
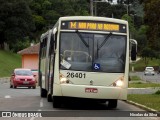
<point x="112" y="103"/>
<point x="56" y="102"/>
<point x="43" y="93"/>
<point x="49" y="98"/>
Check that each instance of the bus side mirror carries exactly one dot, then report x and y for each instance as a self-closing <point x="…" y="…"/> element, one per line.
<point x="133" y="49"/>
<point x="133" y="53"/>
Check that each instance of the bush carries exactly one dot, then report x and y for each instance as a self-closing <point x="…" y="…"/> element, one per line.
<point x="157" y="92"/>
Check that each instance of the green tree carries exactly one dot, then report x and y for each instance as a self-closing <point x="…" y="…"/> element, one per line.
<point x="39" y="22"/>
<point x="152" y="19"/>
<point x="46" y="12"/>
<point x="15" y="21"/>
<point x="132" y="29"/>
<point x="141" y="37"/>
<point x="51" y="17"/>
<point x="148" y="53"/>
<point x="105" y="9"/>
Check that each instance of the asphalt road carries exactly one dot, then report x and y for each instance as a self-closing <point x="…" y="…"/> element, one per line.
<point x="147" y="78"/>
<point x="24" y="99"/>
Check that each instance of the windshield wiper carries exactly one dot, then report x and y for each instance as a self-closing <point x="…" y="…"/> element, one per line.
<point x="105" y="40"/>
<point x="80" y="36"/>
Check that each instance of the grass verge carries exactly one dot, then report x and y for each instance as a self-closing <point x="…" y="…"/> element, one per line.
<point x="8" y="61"/>
<point x="143" y="85"/>
<point x="135" y="78"/>
<point x="140" y="65"/>
<point x="149" y="100"/>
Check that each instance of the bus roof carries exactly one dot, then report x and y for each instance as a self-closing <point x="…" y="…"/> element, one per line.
<point x="89" y="18"/>
<point x="94" y="18"/>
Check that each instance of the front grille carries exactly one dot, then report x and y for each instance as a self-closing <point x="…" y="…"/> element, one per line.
<point x="25" y="79"/>
<point x="22" y="79"/>
<point x="29" y="79"/>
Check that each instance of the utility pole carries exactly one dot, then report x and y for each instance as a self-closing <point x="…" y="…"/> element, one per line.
<point x="95" y="9"/>
<point x="91" y="7"/>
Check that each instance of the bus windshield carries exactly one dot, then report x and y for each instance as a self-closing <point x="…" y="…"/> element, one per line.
<point x="83" y="51"/>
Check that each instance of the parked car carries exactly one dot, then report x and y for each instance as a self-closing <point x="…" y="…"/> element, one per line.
<point x="22" y="78"/>
<point x="149" y="71"/>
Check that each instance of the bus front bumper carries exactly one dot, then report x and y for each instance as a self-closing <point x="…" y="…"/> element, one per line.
<point x="92" y="92"/>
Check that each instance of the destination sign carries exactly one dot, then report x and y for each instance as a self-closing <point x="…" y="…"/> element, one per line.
<point x="90" y="25"/>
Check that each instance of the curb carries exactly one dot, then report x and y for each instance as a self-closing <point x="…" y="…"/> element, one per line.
<point x="4" y="80"/>
<point x="148" y="90"/>
<point x="143" y="107"/>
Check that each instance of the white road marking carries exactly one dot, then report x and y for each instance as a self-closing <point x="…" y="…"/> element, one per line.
<point x="41" y="102"/>
<point x="7" y="96"/>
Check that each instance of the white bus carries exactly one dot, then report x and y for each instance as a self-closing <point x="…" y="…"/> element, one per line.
<point x="85" y="57"/>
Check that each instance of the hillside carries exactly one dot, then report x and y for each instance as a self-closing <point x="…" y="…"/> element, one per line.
<point x="8" y="61"/>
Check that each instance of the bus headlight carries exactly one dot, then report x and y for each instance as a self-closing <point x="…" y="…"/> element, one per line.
<point x="64" y="80"/>
<point x="119" y="83"/>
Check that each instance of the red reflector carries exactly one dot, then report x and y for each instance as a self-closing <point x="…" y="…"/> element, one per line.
<point x="91" y="90"/>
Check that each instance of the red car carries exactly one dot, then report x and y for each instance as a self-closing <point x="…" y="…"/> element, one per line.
<point x="22" y="78"/>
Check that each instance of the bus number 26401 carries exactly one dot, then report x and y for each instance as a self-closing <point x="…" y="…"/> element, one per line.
<point x="75" y="75"/>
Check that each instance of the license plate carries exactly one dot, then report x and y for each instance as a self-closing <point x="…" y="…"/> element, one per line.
<point x="91" y="90"/>
<point x="25" y="82"/>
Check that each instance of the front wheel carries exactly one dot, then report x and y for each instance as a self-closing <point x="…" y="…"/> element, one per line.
<point x="112" y="103"/>
<point x="43" y="92"/>
<point x="49" y="98"/>
<point x="56" y="102"/>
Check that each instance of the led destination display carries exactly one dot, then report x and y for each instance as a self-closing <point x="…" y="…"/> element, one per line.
<point x="97" y="26"/>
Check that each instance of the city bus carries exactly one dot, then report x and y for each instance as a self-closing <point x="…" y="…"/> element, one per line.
<point x="85" y="57"/>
